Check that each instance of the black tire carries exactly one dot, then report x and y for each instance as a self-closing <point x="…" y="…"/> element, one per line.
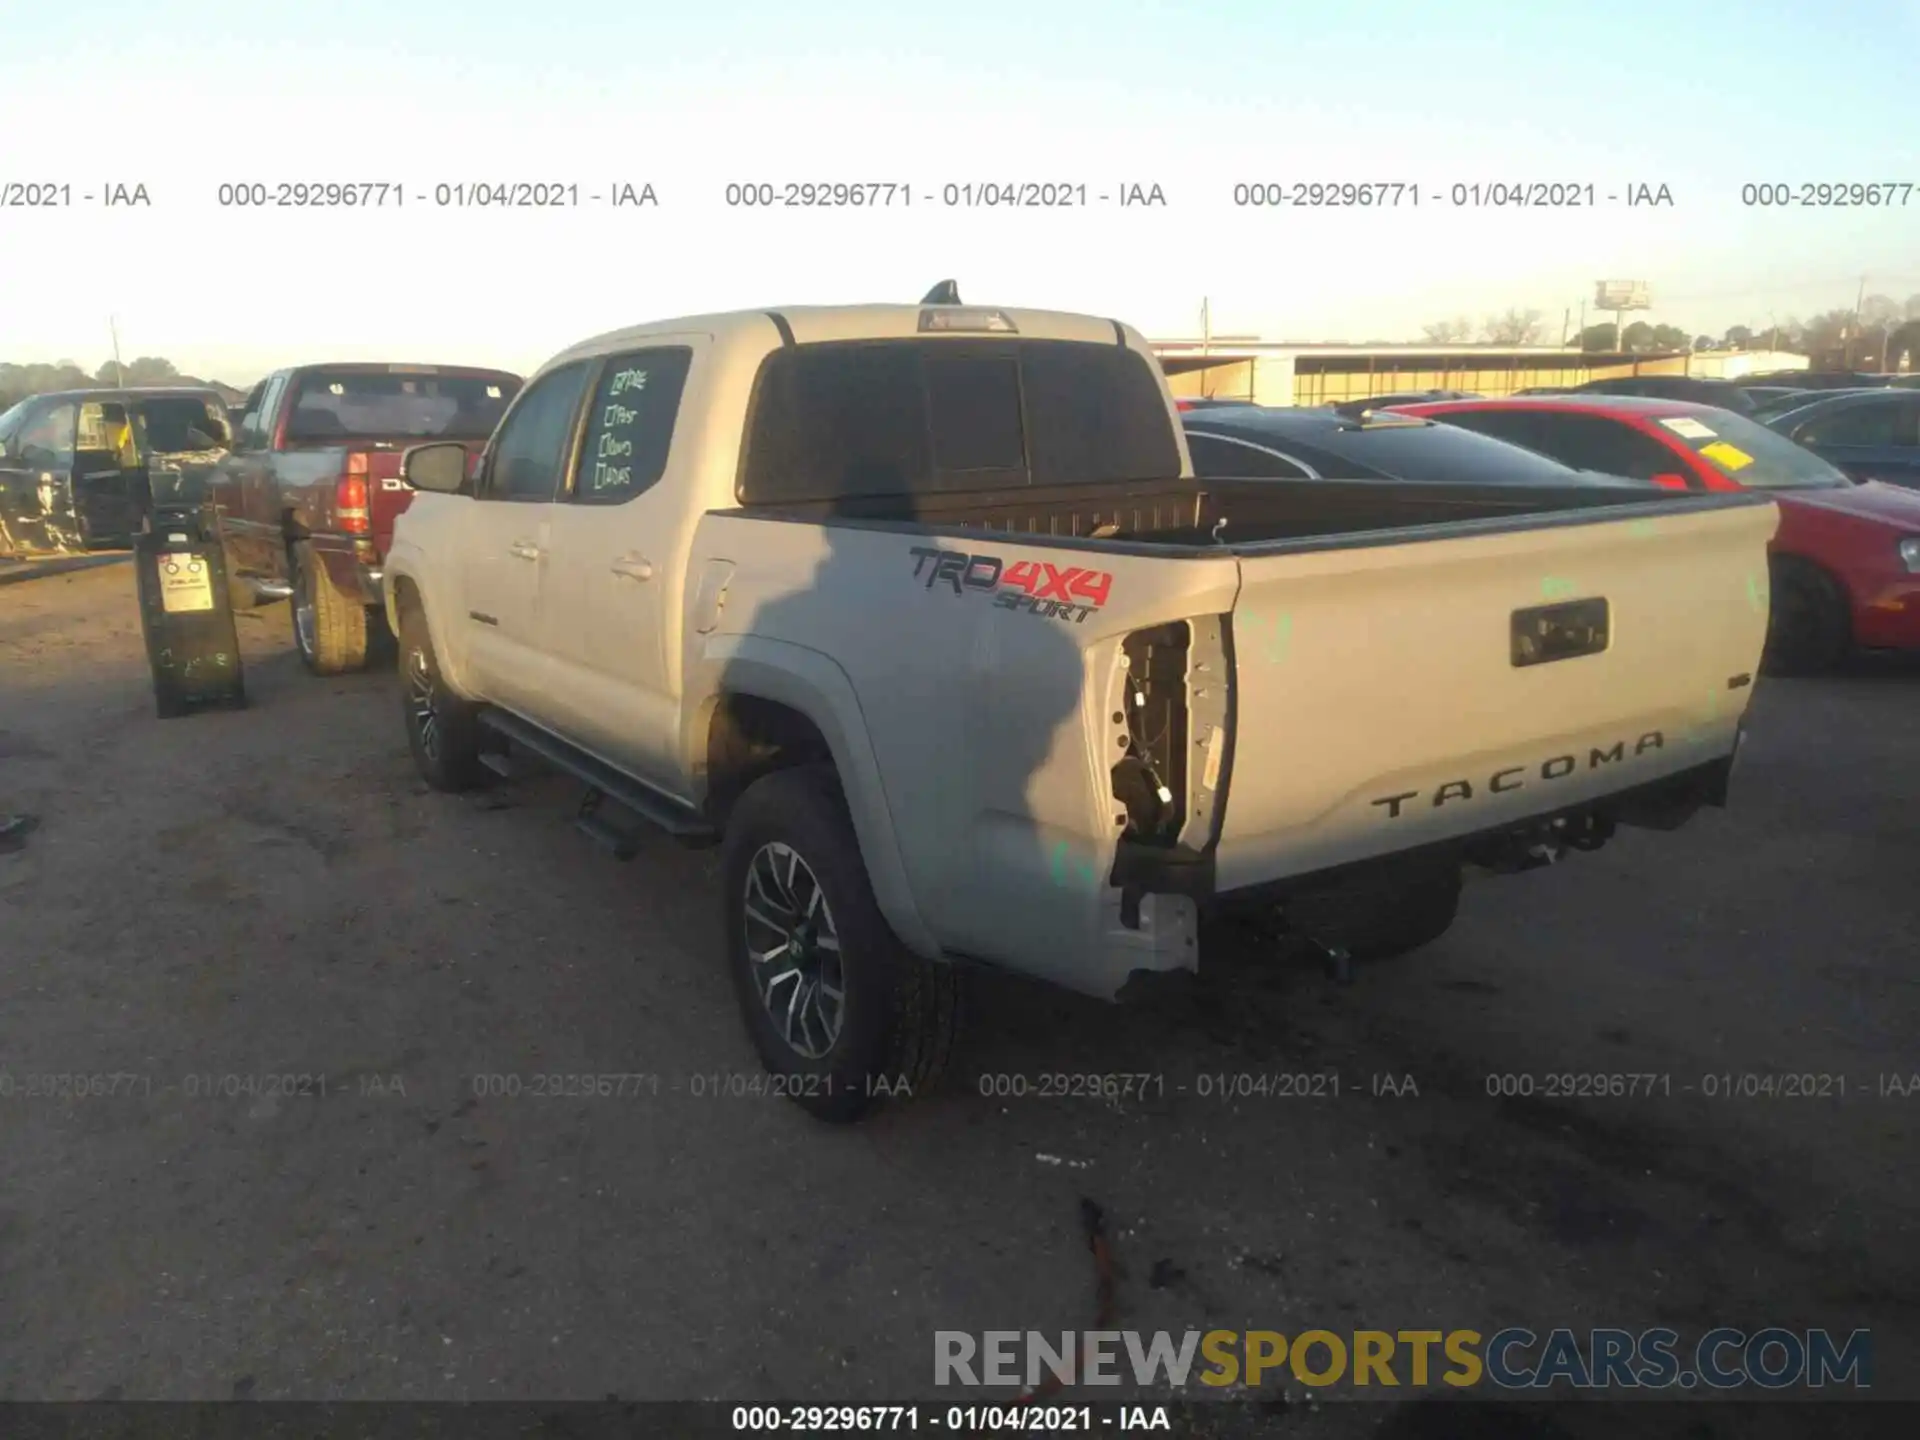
<point x="1382" y="922"/>
<point x="899" y="1013"/>
<point x="443" y="730"/>
<point x="329" y="626"/>
<point x="1809" y="629"/>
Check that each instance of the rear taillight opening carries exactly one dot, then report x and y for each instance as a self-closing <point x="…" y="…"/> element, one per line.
<point x="350" y="496"/>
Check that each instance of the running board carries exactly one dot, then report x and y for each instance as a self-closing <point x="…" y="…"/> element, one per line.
<point x="680" y="821"/>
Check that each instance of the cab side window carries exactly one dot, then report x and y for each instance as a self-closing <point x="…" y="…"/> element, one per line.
<point x="530" y="450"/>
<point x="1589" y="442"/>
<point x="261" y="404"/>
<point x="47" y="438"/>
<point x="1875" y="423"/>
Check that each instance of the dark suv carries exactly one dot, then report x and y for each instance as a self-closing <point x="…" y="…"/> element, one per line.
<point x="79" y="469"/>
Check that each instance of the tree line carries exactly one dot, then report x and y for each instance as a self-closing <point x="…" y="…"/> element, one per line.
<point x="19" y="381"/>
<point x="1829" y="337"/>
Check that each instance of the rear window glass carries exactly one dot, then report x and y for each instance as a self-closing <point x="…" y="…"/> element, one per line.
<point x="1447" y="454"/>
<point x="897" y="417"/>
<point x="1752" y="454"/>
<point x="973" y="410"/>
<point x="382" y="404"/>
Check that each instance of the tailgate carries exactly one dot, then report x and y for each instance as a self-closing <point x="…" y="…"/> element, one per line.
<point x="1379" y="705"/>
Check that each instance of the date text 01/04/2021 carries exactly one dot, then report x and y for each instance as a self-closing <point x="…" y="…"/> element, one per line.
<point x="1460" y="195"/>
<point x="442" y="195"/>
<point x="960" y="195"/>
<point x="959" y="1419"/>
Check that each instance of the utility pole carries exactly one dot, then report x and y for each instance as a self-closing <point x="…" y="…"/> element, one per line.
<point x="1846" y="354"/>
<point x="119" y="370"/>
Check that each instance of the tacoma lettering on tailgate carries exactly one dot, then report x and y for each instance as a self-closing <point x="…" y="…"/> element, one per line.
<point x="1515" y="777"/>
<point x="1064" y="592"/>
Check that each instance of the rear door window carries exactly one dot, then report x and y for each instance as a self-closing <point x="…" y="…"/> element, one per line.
<point x="630" y="424"/>
<point x="1873" y="423"/>
<point x="1592" y="442"/>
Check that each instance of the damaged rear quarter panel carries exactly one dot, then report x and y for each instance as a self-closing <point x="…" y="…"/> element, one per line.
<point x="989" y="718"/>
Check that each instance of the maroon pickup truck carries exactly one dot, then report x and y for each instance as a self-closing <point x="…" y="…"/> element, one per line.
<point x="307" y="498"/>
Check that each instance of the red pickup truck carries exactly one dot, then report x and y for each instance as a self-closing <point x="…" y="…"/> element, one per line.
<point x="306" y="500"/>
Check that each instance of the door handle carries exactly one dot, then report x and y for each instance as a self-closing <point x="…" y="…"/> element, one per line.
<point x="524" y="550"/>
<point x="633" y="567"/>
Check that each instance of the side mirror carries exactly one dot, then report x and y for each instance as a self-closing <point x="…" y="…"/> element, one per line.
<point x="1671" y="481"/>
<point x="440" y="467"/>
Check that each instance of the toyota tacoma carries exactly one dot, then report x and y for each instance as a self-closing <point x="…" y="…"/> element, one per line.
<point x="919" y="613"/>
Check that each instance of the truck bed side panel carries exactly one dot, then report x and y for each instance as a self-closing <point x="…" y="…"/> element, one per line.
<point x="989" y="720"/>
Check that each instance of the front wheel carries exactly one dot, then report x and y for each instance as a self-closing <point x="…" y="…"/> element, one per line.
<point x="844" y="1016"/>
<point x="443" y="730"/>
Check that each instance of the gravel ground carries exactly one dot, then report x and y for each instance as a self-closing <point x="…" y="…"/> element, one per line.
<point x="272" y="893"/>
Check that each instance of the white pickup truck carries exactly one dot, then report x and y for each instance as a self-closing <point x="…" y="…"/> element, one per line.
<point x="919" y="612"/>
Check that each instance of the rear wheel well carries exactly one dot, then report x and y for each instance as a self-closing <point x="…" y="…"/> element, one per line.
<point x="748" y="738"/>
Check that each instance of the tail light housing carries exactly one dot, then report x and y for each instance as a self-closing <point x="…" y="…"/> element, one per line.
<point x="350" y="504"/>
<point x="1671" y="481"/>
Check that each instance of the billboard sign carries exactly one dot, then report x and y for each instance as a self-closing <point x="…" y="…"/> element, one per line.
<point x="1623" y="295"/>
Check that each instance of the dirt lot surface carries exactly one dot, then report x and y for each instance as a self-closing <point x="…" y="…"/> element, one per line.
<point x="273" y="893"/>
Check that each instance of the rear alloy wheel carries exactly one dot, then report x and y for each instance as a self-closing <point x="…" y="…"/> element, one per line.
<point x="1808" y="628"/>
<point x="843" y="1015"/>
<point x="794" y="950"/>
<point x="329" y="626"/>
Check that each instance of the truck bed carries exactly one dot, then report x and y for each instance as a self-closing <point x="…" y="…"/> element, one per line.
<point x="1234" y="513"/>
<point x="1407" y="666"/>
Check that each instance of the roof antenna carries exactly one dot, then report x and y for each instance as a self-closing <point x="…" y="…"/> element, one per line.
<point x="947" y="292"/>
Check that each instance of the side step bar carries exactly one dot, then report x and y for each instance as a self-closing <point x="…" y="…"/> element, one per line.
<point x="603" y="783"/>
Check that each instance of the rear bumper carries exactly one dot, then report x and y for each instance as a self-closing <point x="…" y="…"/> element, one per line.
<point x="1663" y="804"/>
<point x="1146" y="915"/>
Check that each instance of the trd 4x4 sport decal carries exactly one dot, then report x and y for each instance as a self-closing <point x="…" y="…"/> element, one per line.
<point x="1064" y="592"/>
